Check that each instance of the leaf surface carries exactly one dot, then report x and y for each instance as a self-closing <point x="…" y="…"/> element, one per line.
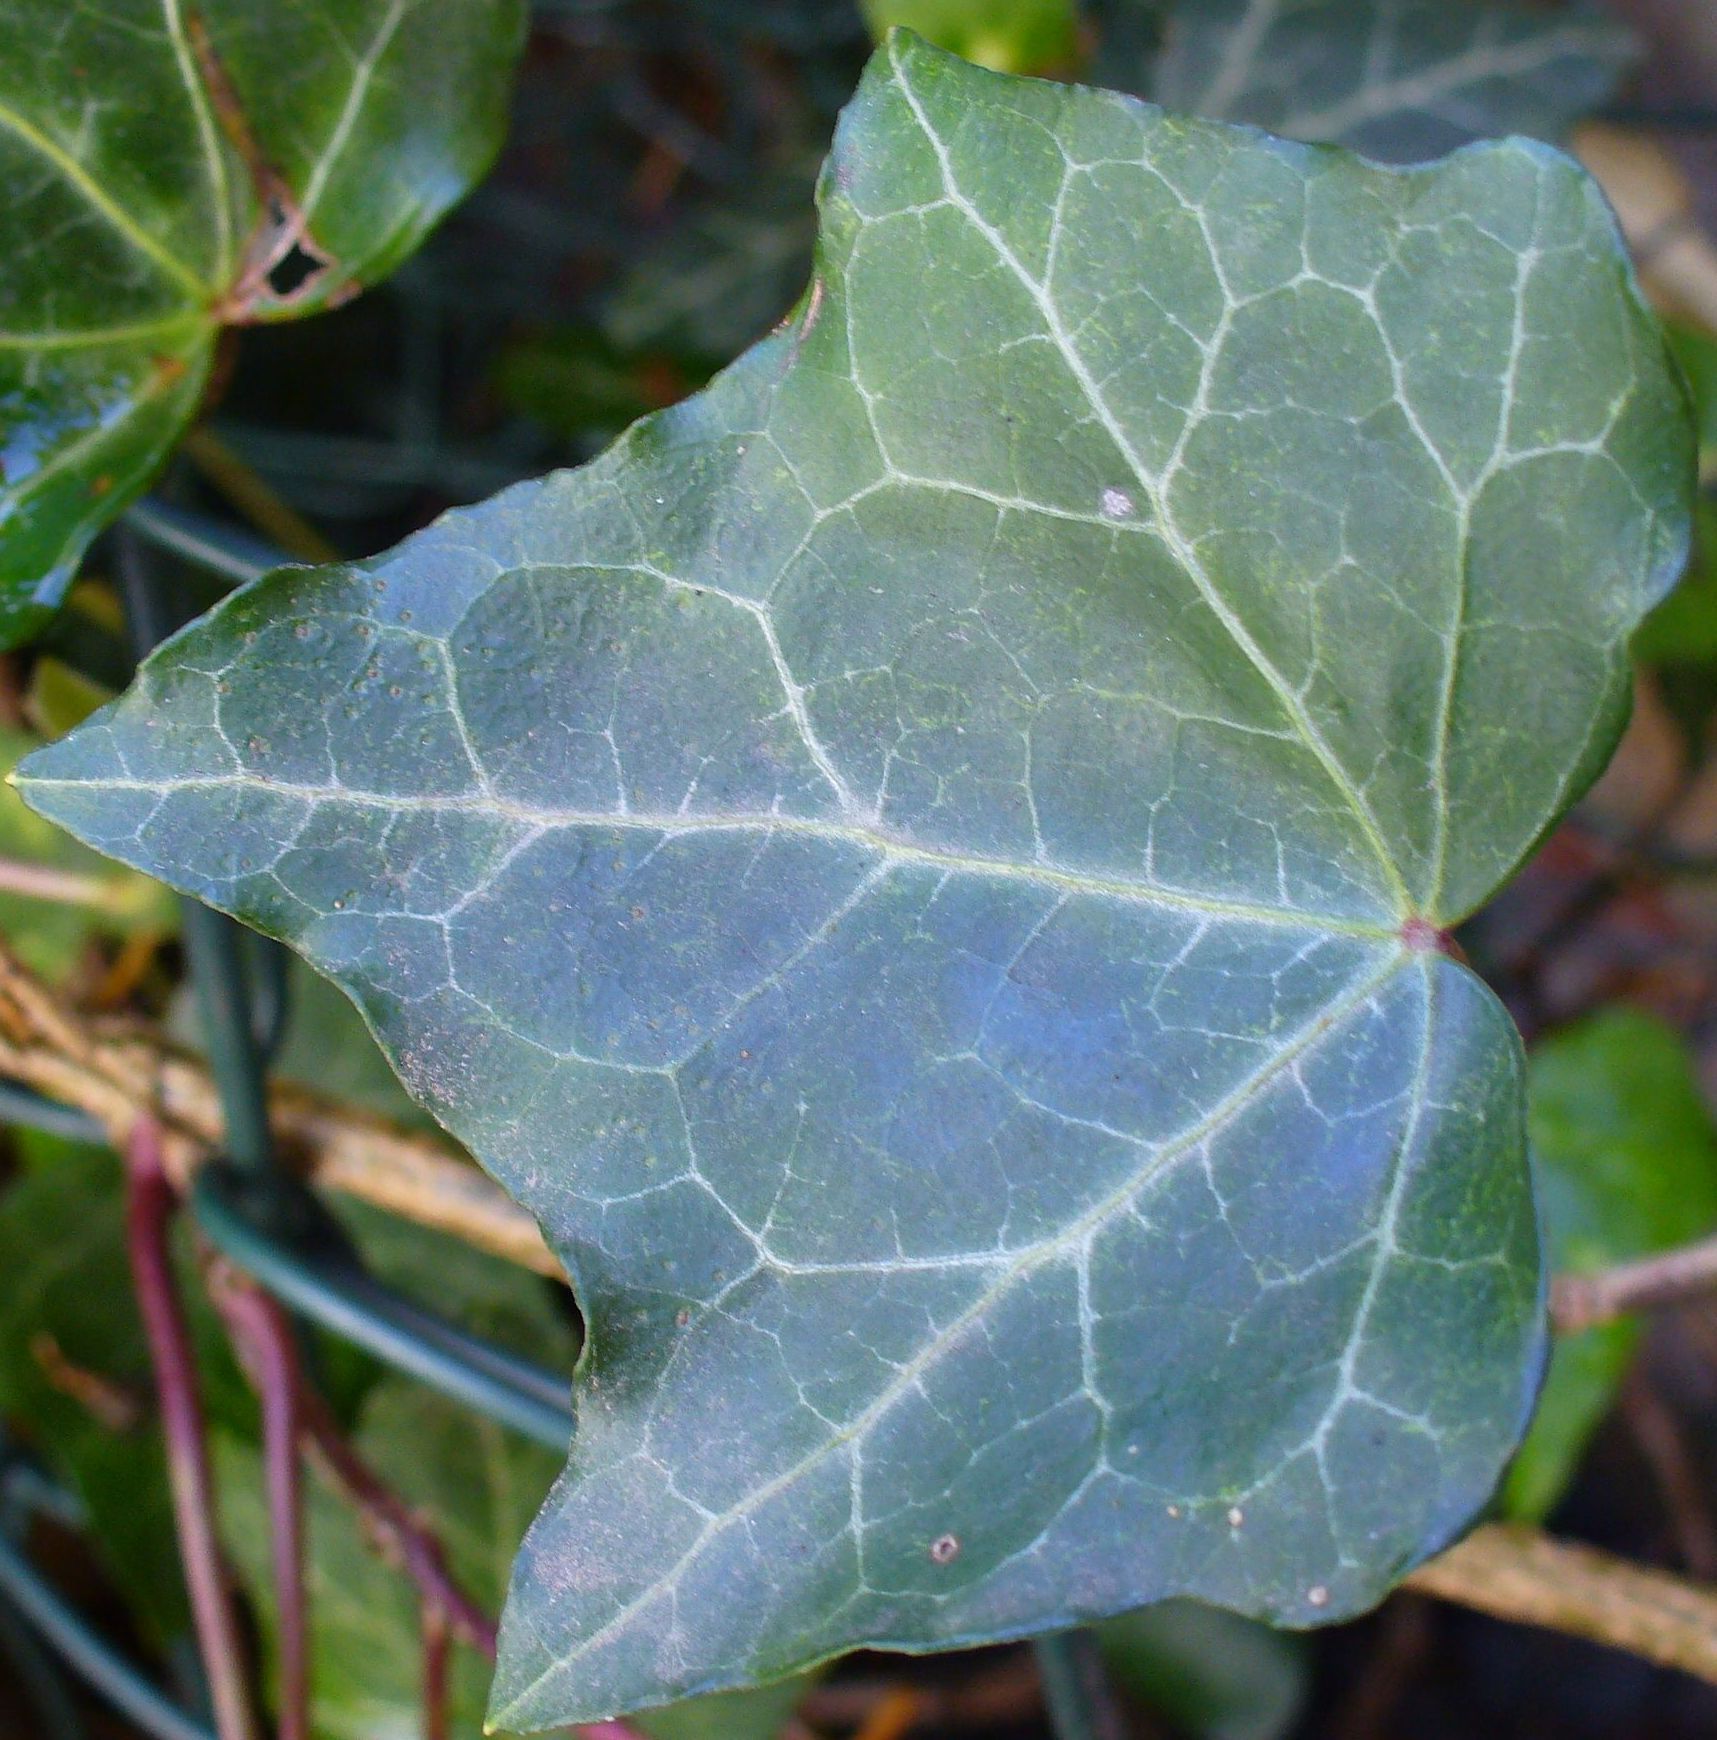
<point x="1627" y="1166"/>
<point x="1400" y="80"/>
<point x="158" y="161"/>
<point x="917" y="866"/>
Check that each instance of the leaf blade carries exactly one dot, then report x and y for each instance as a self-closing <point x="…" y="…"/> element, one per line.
<point x="917" y="873"/>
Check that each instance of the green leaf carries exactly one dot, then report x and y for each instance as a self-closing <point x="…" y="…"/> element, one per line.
<point x="66" y="1306"/>
<point x="582" y="385"/>
<point x="1627" y="1165"/>
<point x="1016" y="36"/>
<point x="158" y="161"/>
<point x="1211" y="1673"/>
<point x="366" y="1651"/>
<point x="1682" y="630"/>
<point x="920" y="866"/>
<point x="55" y="895"/>
<point x="1400" y="80"/>
<point x="476" y="1485"/>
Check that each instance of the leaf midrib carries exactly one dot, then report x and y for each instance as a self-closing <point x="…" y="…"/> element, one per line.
<point x="671" y="825"/>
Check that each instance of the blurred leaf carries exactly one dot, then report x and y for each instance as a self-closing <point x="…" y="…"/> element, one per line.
<point x="365" y="1630"/>
<point x="1627" y="1165"/>
<point x="60" y="697"/>
<point x="327" y="1047"/>
<point x="1015" y="36"/>
<point x="68" y="1330"/>
<point x="140" y="216"/>
<point x="1682" y="630"/>
<point x="1400" y="80"/>
<point x="1212" y="1674"/>
<point x="727" y="272"/>
<point x="477" y="1486"/>
<point x="580" y="383"/>
<point x="760" y="1714"/>
<point x="81" y="894"/>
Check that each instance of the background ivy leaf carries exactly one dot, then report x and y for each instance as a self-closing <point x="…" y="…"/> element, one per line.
<point x="1627" y="1166"/>
<point x="924" y="885"/>
<point x="1021" y="36"/>
<point x="55" y="895"/>
<point x="75" y="1376"/>
<point x="62" y="1248"/>
<point x="158" y="160"/>
<point x="480" y="1486"/>
<point x="1400" y="80"/>
<point x="1212" y="1674"/>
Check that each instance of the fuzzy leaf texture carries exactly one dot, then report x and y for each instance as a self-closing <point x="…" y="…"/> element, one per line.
<point x="159" y="159"/>
<point x="1400" y="80"/>
<point x="917" y="867"/>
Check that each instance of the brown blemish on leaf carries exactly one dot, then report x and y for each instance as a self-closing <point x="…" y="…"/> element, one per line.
<point x="283" y="228"/>
<point x="945" y="1549"/>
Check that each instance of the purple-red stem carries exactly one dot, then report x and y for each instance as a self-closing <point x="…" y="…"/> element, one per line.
<point x="149" y="1209"/>
<point x="266" y="1351"/>
<point x="436" y="1661"/>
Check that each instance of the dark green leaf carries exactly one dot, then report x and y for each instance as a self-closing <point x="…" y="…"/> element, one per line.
<point x="1400" y="80"/>
<point x="1212" y="1674"/>
<point x="1627" y="1165"/>
<point x="66" y="1308"/>
<point x="157" y="162"/>
<point x="477" y="1486"/>
<point x="919" y="867"/>
<point x="1682" y="631"/>
<point x="583" y="385"/>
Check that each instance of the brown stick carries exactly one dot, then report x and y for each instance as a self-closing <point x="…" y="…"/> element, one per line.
<point x="1670" y="1278"/>
<point x="114" y="1072"/>
<point x="1516" y="1573"/>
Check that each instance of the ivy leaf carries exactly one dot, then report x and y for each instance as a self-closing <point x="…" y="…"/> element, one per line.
<point x="74" y="1370"/>
<point x="56" y="896"/>
<point x="1210" y="1673"/>
<point x="1400" y="80"/>
<point x="1627" y="1166"/>
<point x="476" y="1484"/>
<point x="1023" y="36"/>
<point x="160" y="164"/>
<point x="923" y="867"/>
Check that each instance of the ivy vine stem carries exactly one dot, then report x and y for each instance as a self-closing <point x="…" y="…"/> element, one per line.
<point x="151" y="1204"/>
<point x="263" y="1341"/>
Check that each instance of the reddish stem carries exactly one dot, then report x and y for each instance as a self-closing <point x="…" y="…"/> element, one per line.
<point x="265" y="1336"/>
<point x="396" y="1531"/>
<point x="149" y="1210"/>
<point x="264" y="1341"/>
<point x="436" y="1661"/>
